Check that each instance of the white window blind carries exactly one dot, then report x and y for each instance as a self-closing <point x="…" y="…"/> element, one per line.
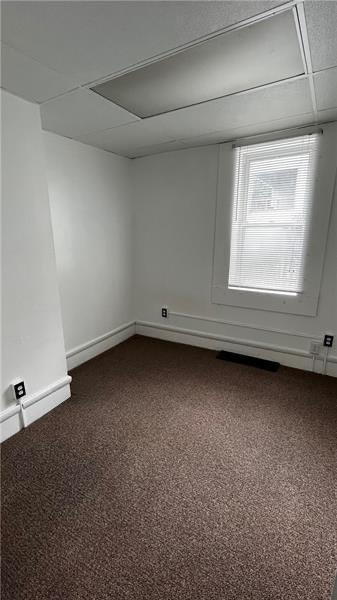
<point x="271" y="215"/>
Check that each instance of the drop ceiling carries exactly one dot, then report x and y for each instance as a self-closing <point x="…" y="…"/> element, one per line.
<point x="240" y="59"/>
<point x="213" y="70"/>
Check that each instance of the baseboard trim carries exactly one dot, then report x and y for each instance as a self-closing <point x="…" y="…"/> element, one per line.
<point x="88" y="350"/>
<point x="35" y="406"/>
<point x="38" y="404"/>
<point x="286" y="356"/>
<point x="9" y="412"/>
<point x="299" y="334"/>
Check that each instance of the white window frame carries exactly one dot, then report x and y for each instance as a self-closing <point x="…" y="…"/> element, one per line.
<point x="305" y="303"/>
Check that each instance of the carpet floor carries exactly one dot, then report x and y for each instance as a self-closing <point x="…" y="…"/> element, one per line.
<point x="170" y="475"/>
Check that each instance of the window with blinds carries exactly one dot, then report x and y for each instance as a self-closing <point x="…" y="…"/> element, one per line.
<point x="271" y="215"/>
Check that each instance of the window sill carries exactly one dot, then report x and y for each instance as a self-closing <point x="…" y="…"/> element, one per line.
<point x="298" y="304"/>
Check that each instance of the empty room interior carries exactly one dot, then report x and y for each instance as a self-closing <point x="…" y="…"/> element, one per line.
<point x="169" y="300"/>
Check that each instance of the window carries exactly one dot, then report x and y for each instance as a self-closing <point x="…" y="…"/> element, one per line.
<point x="271" y="215"/>
<point x="272" y="219"/>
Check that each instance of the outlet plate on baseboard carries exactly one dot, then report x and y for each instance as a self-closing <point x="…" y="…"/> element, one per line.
<point x="328" y="340"/>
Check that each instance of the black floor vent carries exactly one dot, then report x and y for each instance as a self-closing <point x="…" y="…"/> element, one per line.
<point x="242" y="359"/>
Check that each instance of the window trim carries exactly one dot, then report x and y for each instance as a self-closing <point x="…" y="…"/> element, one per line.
<point x="305" y="303"/>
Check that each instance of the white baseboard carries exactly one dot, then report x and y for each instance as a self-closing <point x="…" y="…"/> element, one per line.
<point x="34" y="407"/>
<point x="298" y="359"/>
<point x="37" y="405"/>
<point x="88" y="350"/>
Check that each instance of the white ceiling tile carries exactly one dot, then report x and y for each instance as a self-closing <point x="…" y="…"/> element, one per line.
<point x="80" y="112"/>
<point x="280" y="106"/>
<point x="29" y="79"/>
<point x="89" y="40"/>
<point x="124" y="140"/>
<point x="321" y="18"/>
<point x="326" y="88"/>
<point x="270" y="103"/>
<point x="249" y="130"/>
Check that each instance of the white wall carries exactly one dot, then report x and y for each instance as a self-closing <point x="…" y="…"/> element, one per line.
<point x="90" y="197"/>
<point x="33" y="345"/>
<point x="175" y="199"/>
<point x="130" y="237"/>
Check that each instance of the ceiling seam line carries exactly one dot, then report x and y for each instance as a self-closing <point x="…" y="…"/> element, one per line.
<point x="302" y="76"/>
<point x="229" y="141"/>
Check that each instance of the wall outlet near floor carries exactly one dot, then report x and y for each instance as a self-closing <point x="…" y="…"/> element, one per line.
<point x="328" y="340"/>
<point x="18" y="389"/>
<point x="164" y="312"/>
<point x="315" y="348"/>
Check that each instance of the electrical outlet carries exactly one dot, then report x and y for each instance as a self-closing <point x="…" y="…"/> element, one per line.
<point x="315" y="348"/>
<point x="328" y="340"/>
<point x="18" y="389"/>
<point x="164" y="312"/>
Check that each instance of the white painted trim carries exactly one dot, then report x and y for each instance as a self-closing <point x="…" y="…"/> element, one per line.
<point x="291" y="357"/>
<point x="29" y="400"/>
<point x="313" y="337"/>
<point x="9" y="412"/>
<point x="223" y="338"/>
<point x="83" y="352"/>
<point x="306" y="303"/>
<point x="98" y="339"/>
<point x="34" y="406"/>
<point x="47" y="391"/>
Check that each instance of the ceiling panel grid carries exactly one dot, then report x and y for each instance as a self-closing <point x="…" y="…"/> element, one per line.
<point x="269" y="71"/>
